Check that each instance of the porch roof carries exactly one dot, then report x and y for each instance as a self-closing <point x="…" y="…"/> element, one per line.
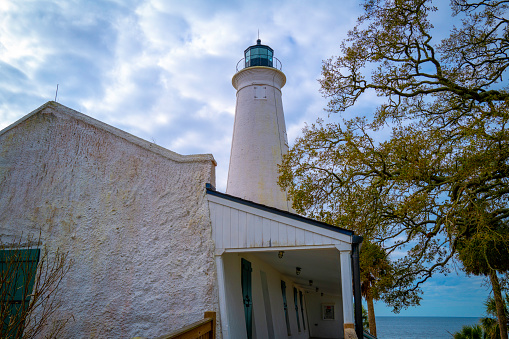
<point x="240" y="224"/>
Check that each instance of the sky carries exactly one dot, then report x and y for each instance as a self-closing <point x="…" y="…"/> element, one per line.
<point x="161" y="70"/>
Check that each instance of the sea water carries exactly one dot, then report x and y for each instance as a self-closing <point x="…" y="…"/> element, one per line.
<point x="420" y="327"/>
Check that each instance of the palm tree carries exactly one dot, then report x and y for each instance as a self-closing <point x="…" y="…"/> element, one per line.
<point x="365" y="322"/>
<point x="490" y="323"/>
<point x="375" y="277"/>
<point x="488" y="327"/>
<point x="483" y="250"/>
<point x="471" y="332"/>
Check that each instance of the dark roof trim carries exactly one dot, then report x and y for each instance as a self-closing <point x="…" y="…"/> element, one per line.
<point x="211" y="190"/>
<point x="357" y="239"/>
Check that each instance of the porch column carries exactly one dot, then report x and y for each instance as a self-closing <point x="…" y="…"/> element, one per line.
<point x="225" y="325"/>
<point x="347" y="294"/>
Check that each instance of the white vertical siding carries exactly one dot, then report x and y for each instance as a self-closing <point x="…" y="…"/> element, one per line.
<point x="237" y="226"/>
<point x="234" y="228"/>
<point x="226" y="227"/>
<point x="266" y="233"/>
<point x="243" y="229"/>
<point x="250" y="230"/>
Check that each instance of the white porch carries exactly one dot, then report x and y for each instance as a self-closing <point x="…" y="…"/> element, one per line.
<point x="247" y="233"/>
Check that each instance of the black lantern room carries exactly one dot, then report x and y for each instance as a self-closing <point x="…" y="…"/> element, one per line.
<point x="259" y="55"/>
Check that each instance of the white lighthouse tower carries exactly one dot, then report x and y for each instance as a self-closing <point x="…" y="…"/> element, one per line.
<point x="259" y="133"/>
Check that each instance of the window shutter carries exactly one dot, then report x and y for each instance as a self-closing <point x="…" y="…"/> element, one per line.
<point x="285" y="305"/>
<point x="19" y="269"/>
<point x="296" y="307"/>
<point x="247" y="296"/>
<point x="302" y="310"/>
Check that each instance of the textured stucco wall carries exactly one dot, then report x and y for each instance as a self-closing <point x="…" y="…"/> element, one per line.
<point x="135" y="222"/>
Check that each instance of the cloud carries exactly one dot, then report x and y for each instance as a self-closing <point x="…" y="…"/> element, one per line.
<point x="162" y="69"/>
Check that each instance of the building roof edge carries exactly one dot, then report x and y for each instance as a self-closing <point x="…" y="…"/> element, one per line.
<point x="212" y="191"/>
<point x="55" y="106"/>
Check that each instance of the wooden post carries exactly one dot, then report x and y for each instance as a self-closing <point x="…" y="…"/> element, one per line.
<point x="213" y="316"/>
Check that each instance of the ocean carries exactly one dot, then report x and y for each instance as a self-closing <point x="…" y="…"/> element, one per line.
<point x="420" y="327"/>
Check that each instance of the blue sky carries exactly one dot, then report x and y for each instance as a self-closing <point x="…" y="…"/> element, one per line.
<point x="162" y="71"/>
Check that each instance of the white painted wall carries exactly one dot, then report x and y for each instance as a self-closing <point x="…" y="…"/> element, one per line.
<point x="131" y="214"/>
<point x="259" y="137"/>
<point x="232" y="264"/>
<point x="324" y="328"/>
<point x="233" y="295"/>
<point x="237" y="225"/>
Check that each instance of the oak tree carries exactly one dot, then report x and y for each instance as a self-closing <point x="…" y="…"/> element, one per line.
<point x="428" y="170"/>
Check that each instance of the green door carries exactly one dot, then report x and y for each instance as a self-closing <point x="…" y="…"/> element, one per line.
<point x="247" y="296"/>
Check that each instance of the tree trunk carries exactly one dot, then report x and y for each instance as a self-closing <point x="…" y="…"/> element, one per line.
<point x="499" y="303"/>
<point x="371" y="313"/>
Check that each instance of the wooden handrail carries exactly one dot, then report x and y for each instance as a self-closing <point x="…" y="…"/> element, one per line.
<point x="203" y="329"/>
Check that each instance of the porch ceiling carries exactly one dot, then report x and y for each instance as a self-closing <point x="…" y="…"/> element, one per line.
<point x="320" y="265"/>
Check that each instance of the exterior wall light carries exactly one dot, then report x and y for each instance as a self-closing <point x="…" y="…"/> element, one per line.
<point x="297" y="270"/>
<point x="280" y="254"/>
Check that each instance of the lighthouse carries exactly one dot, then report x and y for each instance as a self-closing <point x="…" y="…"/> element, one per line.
<point x="259" y="133"/>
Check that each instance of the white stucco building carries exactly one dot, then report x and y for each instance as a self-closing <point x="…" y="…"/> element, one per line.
<point x="132" y="215"/>
<point x="154" y="245"/>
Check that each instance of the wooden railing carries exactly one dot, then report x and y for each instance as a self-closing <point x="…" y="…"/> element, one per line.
<point x="367" y="335"/>
<point x="203" y="329"/>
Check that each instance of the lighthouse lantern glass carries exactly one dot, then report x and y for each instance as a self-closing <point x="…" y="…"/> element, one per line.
<point x="259" y="55"/>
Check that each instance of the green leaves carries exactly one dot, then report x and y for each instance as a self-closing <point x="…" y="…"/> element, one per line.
<point x="439" y="181"/>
